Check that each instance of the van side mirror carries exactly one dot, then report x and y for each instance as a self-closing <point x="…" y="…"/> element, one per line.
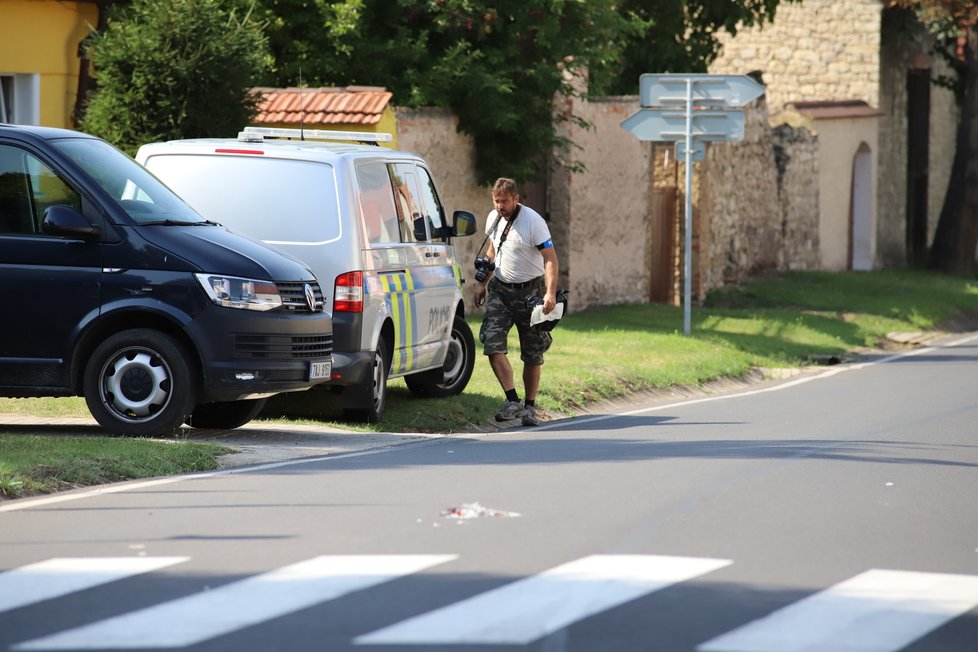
<point x="420" y="233"/>
<point x="66" y="221"/>
<point x="464" y="223"/>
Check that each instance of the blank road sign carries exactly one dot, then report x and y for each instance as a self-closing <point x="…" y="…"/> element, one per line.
<point x="670" y="125"/>
<point x="708" y="90"/>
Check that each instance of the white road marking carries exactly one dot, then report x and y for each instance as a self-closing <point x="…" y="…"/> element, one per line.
<point x="876" y="611"/>
<point x="533" y="607"/>
<point x="54" y="578"/>
<point x="196" y="618"/>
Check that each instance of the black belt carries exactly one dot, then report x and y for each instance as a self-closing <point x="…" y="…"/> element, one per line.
<point x="517" y="286"/>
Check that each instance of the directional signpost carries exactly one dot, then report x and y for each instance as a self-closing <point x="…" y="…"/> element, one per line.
<point x="670" y="124"/>
<point x="691" y="110"/>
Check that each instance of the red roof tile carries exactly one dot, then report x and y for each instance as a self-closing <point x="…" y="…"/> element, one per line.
<point x="353" y="105"/>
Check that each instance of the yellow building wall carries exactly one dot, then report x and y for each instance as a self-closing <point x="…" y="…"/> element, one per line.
<point x="41" y="37"/>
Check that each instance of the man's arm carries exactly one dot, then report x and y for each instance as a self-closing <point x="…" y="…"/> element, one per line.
<point x="480" y="289"/>
<point x="550" y="275"/>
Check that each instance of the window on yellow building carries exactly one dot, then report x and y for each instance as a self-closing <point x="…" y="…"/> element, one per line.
<point x="20" y="99"/>
<point x="6" y="97"/>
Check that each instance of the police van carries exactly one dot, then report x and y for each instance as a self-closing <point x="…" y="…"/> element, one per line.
<point x="370" y="224"/>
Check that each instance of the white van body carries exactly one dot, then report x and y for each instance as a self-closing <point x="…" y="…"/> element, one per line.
<point x="368" y="221"/>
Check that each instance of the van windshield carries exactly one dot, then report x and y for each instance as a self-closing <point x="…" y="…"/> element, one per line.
<point x="141" y="195"/>
<point x="278" y="201"/>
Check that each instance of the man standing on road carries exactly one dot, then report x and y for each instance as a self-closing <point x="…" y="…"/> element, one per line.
<point x="525" y="266"/>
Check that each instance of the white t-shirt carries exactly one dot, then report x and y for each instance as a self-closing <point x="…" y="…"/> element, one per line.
<point x="519" y="258"/>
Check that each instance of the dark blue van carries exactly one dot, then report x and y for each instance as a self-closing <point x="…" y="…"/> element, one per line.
<point x="112" y="288"/>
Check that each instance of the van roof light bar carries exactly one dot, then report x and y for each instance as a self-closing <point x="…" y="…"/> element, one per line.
<point x="258" y="134"/>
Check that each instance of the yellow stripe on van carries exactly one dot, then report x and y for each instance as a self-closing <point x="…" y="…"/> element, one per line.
<point x="400" y="341"/>
<point x="410" y="312"/>
<point x="399" y="288"/>
<point x="386" y="282"/>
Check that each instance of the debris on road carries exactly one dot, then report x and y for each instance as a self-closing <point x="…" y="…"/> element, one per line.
<point x="475" y="510"/>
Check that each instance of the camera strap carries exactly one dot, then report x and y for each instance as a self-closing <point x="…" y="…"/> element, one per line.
<point x="509" y="225"/>
<point x="488" y="235"/>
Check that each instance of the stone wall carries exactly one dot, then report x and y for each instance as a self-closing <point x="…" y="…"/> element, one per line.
<point x="755" y="204"/>
<point x="814" y="50"/>
<point x="856" y="49"/>
<point x="606" y="208"/>
<point x="740" y="205"/>
<point x="796" y="159"/>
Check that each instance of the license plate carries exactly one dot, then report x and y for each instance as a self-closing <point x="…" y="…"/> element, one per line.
<point x="319" y="369"/>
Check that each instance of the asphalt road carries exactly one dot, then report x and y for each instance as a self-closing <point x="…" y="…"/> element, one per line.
<point x="834" y="511"/>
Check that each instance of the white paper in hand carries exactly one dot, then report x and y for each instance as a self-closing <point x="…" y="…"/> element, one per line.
<point x="537" y="315"/>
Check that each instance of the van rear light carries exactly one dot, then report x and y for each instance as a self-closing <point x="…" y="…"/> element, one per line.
<point x="348" y="292"/>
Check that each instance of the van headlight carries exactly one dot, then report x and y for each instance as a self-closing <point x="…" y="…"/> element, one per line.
<point x="246" y="293"/>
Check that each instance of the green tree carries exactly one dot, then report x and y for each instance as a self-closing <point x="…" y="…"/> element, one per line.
<point x="680" y="35"/>
<point x="175" y="69"/>
<point x="954" y="23"/>
<point x="496" y="63"/>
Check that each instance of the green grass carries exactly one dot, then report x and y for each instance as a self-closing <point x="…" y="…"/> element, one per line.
<point x="31" y="464"/>
<point x="787" y="320"/>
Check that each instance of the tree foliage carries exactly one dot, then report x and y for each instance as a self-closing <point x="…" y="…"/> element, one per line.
<point x="679" y="35"/>
<point x="496" y="63"/>
<point x="182" y="68"/>
<point x="175" y="69"/>
<point x="954" y="23"/>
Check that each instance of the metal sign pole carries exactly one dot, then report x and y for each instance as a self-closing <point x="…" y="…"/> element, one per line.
<point x="688" y="281"/>
<point x="659" y="119"/>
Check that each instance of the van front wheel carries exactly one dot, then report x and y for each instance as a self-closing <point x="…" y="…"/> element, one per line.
<point x="138" y="382"/>
<point x="453" y="376"/>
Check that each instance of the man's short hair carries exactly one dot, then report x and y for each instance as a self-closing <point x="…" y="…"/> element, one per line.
<point x="504" y="186"/>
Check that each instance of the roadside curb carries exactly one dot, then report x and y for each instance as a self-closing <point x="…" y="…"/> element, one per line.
<point x="253" y="443"/>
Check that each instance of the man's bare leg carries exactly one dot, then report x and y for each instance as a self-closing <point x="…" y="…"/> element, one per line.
<point x="503" y="370"/>
<point x="531" y="380"/>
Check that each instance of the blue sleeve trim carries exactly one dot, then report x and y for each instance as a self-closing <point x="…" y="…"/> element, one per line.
<point x="549" y="244"/>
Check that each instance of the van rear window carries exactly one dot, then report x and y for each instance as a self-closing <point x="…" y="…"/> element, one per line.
<point x="264" y="198"/>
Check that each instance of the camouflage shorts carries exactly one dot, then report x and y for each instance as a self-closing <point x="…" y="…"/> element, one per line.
<point x="506" y="307"/>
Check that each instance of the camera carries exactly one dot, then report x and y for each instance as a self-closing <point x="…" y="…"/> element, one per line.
<point x="482" y="268"/>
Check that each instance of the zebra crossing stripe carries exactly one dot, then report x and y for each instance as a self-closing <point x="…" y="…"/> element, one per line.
<point x="54" y="578"/>
<point x="876" y="611"/>
<point x="196" y="618"/>
<point x="533" y="607"/>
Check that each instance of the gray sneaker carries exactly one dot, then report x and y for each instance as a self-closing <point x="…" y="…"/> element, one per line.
<point x="510" y="410"/>
<point x="530" y="416"/>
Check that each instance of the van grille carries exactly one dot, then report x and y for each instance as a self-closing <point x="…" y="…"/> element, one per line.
<point x="294" y="296"/>
<point x="278" y="347"/>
